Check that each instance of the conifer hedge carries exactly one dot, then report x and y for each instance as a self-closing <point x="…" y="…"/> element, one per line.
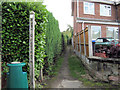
<point x="53" y="40"/>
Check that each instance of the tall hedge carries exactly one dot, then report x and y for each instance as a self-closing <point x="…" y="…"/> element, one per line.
<point x="15" y="33"/>
<point x="53" y="40"/>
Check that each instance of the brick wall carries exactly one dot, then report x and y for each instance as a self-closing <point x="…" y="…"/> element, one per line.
<point x="78" y="26"/>
<point x="103" y="27"/>
<point x="97" y="12"/>
<point x="118" y="8"/>
<point x="74" y="17"/>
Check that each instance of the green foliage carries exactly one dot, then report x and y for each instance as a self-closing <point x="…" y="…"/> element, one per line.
<point x="53" y="40"/>
<point x="68" y="35"/>
<point x="15" y="34"/>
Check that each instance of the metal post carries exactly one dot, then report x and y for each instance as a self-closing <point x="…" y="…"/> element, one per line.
<point x="77" y="43"/>
<point x="90" y="41"/>
<point x="31" y="47"/>
<point x="80" y="43"/>
<point x="84" y="42"/>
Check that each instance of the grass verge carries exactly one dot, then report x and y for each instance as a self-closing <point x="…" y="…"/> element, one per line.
<point x="77" y="70"/>
<point x="56" y="67"/>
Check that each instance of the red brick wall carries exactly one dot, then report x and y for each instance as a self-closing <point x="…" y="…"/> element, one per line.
<point x="103" y="28"/>
<point x="74" y="17"/>
<point x="118" y="7"/>
<point x="119" y="18"/>
<point x="78" y="26"/>
<point x="97" y="12"/>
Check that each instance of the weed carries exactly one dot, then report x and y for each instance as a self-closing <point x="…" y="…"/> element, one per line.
<point x="77" y="69"/>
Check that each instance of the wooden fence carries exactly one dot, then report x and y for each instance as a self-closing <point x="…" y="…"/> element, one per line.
<point x="83" y="42"/>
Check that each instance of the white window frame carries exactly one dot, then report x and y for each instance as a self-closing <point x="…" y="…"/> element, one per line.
<point x="107" y="13"/>
<point x="92" y="32"/>
<point x="113" y="31"/>
<point x="89" y="8"/>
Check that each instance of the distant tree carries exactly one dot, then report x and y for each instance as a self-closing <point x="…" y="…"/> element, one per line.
<point x="70" y="28"/>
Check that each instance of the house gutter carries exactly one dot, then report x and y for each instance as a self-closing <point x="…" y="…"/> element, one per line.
<point x="98" y="22"/>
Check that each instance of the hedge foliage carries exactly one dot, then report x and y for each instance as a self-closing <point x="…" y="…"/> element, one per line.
<point x="53" y="40"/>
<point x="15" y="33"/>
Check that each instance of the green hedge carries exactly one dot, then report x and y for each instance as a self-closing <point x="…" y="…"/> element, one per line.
<point x="53" y="40"/>
<point x="15" y="33"/>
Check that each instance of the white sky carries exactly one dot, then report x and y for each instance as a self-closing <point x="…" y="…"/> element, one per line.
<point x="61" y="10"/>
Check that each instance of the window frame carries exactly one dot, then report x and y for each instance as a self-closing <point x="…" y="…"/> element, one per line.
<point x="110" y="14"/>
<point x="89" y="8"/>
<point x="114" y="30"/>
<point x="92" y="31"/>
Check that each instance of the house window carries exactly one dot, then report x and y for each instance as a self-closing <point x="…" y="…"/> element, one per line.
<point x="112" y="32"/>
<point x="89" y="8"/>
<point x="96" y="32"/>
<point x="105" y="10"/>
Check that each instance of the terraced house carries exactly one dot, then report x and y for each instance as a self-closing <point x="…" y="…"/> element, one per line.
<point x="103" y="16"/>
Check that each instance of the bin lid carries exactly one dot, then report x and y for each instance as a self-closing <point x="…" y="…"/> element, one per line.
<point x="16" y="64"/>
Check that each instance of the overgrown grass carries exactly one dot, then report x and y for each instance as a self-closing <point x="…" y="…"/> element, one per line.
<point x="77" y="70"/>
<point x="56" y="67"/>
<point x="76" y="67"/>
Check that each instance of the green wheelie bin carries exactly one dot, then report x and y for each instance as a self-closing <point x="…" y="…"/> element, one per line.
<point x="16" y="78"/>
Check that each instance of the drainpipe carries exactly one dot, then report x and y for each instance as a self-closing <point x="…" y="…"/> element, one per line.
<point x="83" y="28"/>
<point x="77" y="8"/>
<point x="116" y="12"/>
<point x="117" y="19"/>
<point x="82" y="25"/>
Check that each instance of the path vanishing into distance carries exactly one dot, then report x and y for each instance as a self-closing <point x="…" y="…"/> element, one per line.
<point x="63" y="79"/>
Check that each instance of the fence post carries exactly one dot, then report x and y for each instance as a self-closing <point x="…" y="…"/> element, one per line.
<point x="90" y="41"/>
<point x="84" y="42"/>
<point x="31" y="47"/>
<point x="80" y="43"/>
<point x="77" y="43"/>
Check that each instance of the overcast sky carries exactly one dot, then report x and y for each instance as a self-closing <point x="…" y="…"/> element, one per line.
<point x="61" y="10"/>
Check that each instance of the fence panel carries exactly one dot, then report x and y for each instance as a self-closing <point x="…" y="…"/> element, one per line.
<point x="86" y="43"/>
<point x="82" y="42"/>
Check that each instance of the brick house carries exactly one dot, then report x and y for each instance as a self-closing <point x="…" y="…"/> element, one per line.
<point x="102" y="15"/>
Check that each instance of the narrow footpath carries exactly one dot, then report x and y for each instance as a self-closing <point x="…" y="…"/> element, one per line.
<point x="63" y="79"/>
